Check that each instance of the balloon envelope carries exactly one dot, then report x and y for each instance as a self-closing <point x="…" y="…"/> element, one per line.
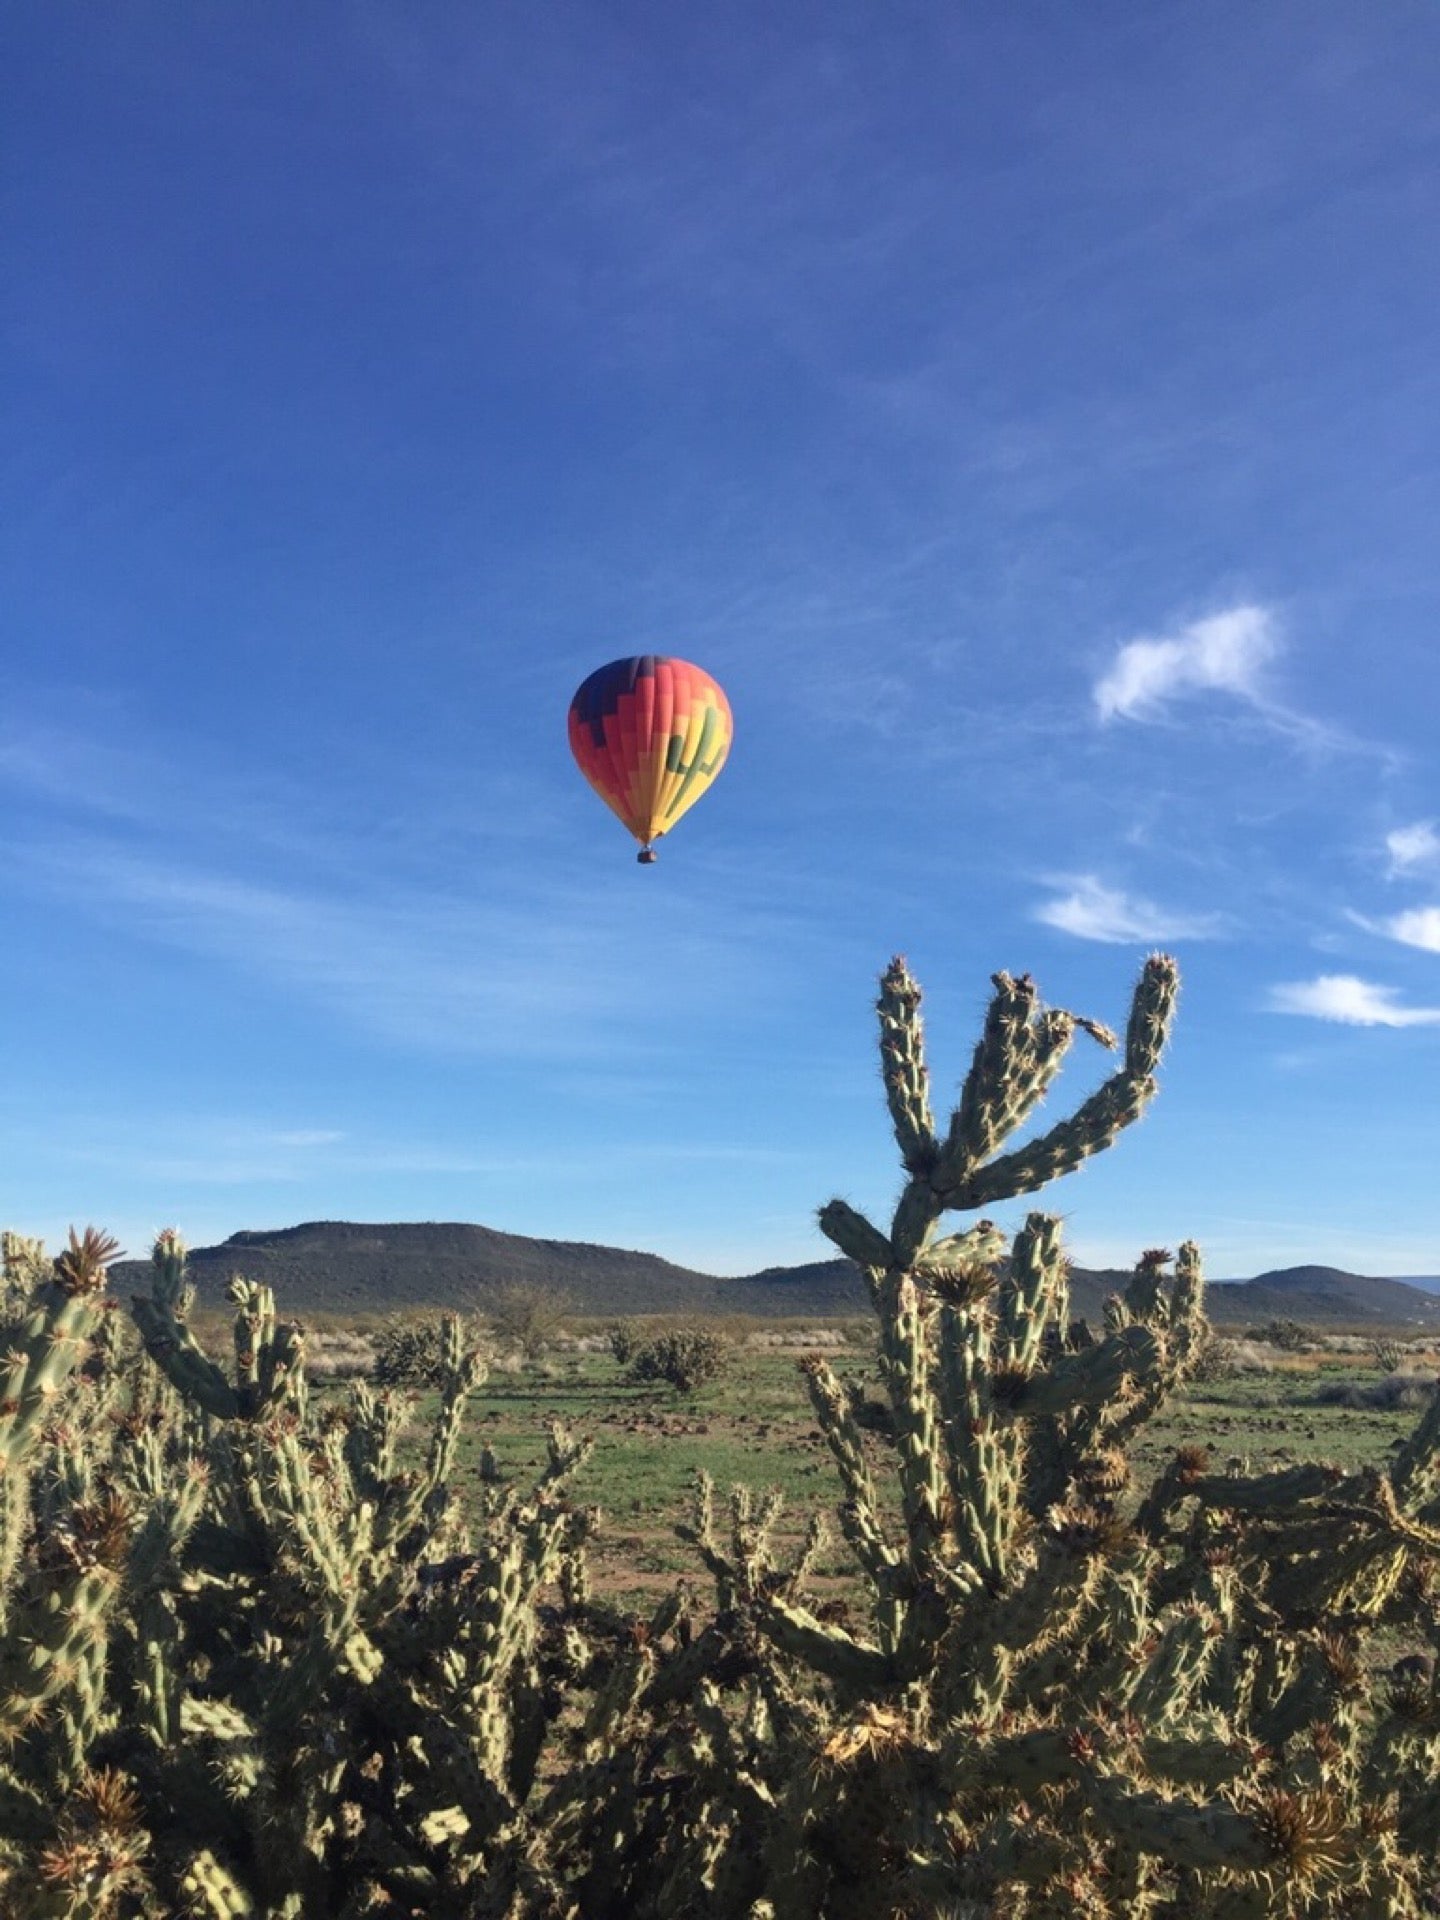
<point x="650" y="734"/>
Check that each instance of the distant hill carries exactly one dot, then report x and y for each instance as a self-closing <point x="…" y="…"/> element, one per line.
<point x="1427" y="1282"/>
<point x="1321" y="1294"/>
<point x="338" y="1266"/>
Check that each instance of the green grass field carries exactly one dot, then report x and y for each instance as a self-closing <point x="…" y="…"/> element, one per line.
<point x="754" y="1427"/>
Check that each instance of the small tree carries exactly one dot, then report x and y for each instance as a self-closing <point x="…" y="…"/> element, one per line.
<point x="526" y="1318"/>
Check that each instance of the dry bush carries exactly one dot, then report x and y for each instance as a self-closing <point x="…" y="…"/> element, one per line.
<point x="1214" y="1360"/>
<point x="1396" y="1393"/>
<point x="526" y="1319"/>
<point x="337" y="1355"/>
<point x="792" y="1339"/>
<point x="1251" y="1356"/>
<point x="1289" y="1336"/>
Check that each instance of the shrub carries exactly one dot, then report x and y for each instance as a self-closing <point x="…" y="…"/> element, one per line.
<point x="684" y="1357"/>
<point x="408" y="1351"/>
<point x="339" y="1355"/>
<point x="526" y="1318"/>
<point x="623" y="1341"/>
<point x="1215" y="1359"/>
<point x="1396" y="1393"/>
<point x="1289" y="1335"/>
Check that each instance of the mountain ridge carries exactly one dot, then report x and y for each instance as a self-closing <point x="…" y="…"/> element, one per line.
<point x="340" y="1266"/>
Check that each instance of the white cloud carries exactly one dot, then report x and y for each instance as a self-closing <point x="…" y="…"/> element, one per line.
<point x="1416" y="927"/>
<point x="1092" y="911"/>
<point x="1420" y="927"/>
<point x="1413" y="847"/>
<point x="1226" y="653"/>
<point x="1352" y="1002"/>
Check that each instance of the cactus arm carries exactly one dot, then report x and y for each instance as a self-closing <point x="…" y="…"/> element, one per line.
<point x="175" y="1350"/>
<point x="829" y="1649"/>
<point x="961" y="1266"/>
<point x="1018" y="1054"/>
<point x="902" y="1067"/>
<point x="1091" y="1378"/>
<point x="1092" y="1128"/>
<point x="982" y="1459"/>
<point x="39" y="1666"/>
<point x="905" y="1361"/>
<point x="859" y="1511"/>
<point x="164" y="1328"/>
<point x="1266" y="1493"/>
<point x="1035" y="1297"/>
<point x="462" y="1372"/>
<point x="268" y="1357"/>
<point x="46" y="1349"/>
<point x="853" y="1234"/>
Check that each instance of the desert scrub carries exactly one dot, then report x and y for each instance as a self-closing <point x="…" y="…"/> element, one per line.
<point x="622" y="1340"/>
<point x="408" y="1350"/>
<point x="251" y="1663"/>
<point x="1290" y="1336"/>
<point x="525" y="1319"/>
<point x="1401" y="1392"/>
<point x="333" y="1354"/>
<point x="685" y="1358"/>
<point x="1065" y="1691"/>
<point x="1214" y="1359"/>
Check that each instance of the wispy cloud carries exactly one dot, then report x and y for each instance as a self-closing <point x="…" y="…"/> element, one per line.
<point x="1225" y="653"/>
<point x="533" y="974"/>
<point x="1093" y="911"/>
<point x="1413" y="849"/>
<point x="79" y="769"/>
<point x="1352" y="1002"/>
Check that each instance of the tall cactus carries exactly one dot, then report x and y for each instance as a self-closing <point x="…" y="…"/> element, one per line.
<point x="1070" y="1696"/>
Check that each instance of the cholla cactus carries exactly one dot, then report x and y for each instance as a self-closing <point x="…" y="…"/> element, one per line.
<point x="252" y="1664"/>
<point x="1063" y="1701"/>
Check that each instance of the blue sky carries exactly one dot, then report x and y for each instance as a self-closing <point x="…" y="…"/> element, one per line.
<point x="1027" y="412"/>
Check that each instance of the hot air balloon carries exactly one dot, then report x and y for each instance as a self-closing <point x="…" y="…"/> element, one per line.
<point x="650" y="734"/>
